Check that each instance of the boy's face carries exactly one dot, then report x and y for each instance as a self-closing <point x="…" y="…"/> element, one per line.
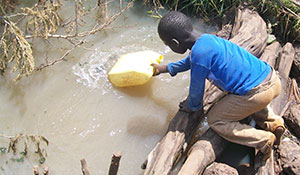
<point x="176" y="46"/>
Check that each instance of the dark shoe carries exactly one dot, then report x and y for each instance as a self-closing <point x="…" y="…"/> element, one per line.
<point x="278" y="132"/>
<point x="260" y="160"/>
<point x="263" y="157"/>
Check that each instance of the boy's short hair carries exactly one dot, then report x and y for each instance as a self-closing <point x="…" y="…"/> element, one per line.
<point x="174" y="25"/>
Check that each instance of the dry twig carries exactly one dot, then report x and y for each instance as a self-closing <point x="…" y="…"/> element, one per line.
<point x="85" y="36"/>
<point x="84" y="168"/>
<point x="295" y="91"/>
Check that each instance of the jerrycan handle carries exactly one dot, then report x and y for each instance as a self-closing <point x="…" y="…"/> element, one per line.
<point x="159" y="59"/>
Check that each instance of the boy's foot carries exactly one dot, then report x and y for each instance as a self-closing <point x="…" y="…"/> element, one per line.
<point x="278" y="132"/>
<point x="266" y="152"/>
<point x="260" y="159"/>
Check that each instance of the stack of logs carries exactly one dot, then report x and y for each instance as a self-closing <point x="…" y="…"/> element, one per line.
<point x="250" y="32"/>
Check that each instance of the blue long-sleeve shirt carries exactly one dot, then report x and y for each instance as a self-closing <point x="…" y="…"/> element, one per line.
<point x="225" y="64"/>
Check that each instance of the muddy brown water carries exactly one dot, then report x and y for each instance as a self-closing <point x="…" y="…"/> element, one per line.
<point x="77" y="109"/>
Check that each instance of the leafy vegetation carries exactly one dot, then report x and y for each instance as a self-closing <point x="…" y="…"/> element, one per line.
<point x="41" y="19"/>
<point x="283" y="15"/>
<point x="26" y="142"/>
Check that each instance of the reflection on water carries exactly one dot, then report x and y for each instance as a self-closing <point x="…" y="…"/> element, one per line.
<point x="82" y="115"/>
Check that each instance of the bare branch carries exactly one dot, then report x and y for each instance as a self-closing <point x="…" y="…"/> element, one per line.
<point x="85" y="35"/>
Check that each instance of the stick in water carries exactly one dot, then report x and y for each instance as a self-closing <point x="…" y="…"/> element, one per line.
<point x="84" y="168"/>
<point x="115" y="162"/>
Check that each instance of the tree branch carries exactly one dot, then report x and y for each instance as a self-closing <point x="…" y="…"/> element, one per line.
<point x="85" y="36"/>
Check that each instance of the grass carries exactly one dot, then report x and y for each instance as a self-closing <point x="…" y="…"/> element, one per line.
<point x="282" y="15"/>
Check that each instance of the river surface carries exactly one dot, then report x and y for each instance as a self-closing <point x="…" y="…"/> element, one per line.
<point x="76" y="108"/>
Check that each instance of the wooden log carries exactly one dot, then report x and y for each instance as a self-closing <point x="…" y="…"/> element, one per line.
<point x="225" y="32"/>
<point x="203" y="153"/>
<point x="284" y="64"/>
<point x="166" y="153"/>
<point x="271" y="53"/>
<point x="115" y="162"/>
<point x="84" y="168"/>
<point x="249" y="31"/>
<point x="220" y="169"/>
<point x="292" y="120"/>
<point x="289" y="157"/>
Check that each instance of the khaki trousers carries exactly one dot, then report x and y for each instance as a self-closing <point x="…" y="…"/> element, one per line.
<point x="224" y="117"/>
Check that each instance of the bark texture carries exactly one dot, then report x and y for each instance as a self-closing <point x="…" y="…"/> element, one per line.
<point x="249" y="31"/>
<point x="220" y="169"/>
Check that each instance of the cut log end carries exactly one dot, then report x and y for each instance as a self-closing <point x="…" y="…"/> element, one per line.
<point x="115" y="163"/>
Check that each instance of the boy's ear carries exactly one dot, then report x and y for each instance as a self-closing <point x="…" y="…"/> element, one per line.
<point x="175" y="41"/>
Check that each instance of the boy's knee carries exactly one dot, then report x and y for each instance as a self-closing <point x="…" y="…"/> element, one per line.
<point x="216" y="125"/>
<point x="210" y="121"/>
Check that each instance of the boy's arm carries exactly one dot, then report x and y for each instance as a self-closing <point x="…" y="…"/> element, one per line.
<point x="172" y="68"/>
<point x="197" y="85"/>
<point x="179" y="66"/>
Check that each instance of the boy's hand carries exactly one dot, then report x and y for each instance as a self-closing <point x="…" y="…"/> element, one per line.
<point x="159" y="69"/>
<point x="183" y="106"/>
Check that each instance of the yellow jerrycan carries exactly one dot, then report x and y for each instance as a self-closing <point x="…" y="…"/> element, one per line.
<point x="134" y="69"/>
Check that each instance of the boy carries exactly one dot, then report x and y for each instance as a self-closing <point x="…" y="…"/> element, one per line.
<point x="251" y="83"/>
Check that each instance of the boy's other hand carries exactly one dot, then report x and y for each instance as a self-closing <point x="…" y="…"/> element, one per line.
<point x="159" y="69"/>
<point x="183" y="106"/>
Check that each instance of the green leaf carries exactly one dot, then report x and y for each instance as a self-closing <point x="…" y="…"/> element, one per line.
<point x="271" y="38"/>
<point x="23" y="153"/>
<point x="3" y="149"/>
<point x="42" y="160"/>
<point x="21" y="159"/>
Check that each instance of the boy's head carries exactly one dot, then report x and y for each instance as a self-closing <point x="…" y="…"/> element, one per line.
<point x="175" y="29"/>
